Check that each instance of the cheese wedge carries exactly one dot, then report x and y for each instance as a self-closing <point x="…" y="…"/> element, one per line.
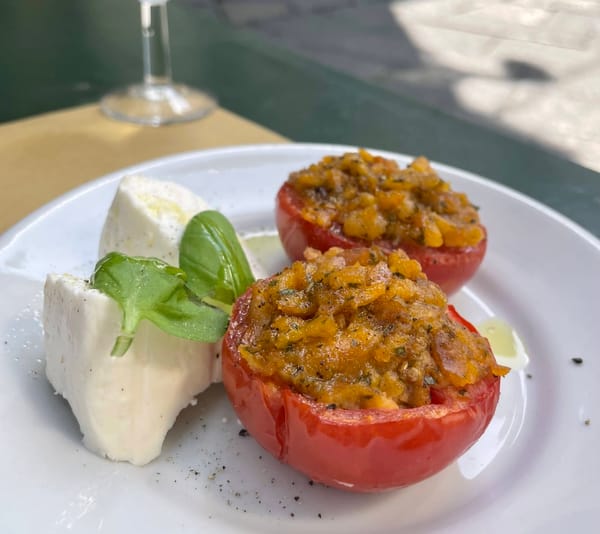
<point x="148" y="217"/>
<point x="124" y="405"/>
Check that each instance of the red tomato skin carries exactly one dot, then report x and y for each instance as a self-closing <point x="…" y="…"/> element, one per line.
<point x="353" y="450"/>
<point x="449" y="267"/>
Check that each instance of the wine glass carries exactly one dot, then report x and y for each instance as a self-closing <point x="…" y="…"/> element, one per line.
<point x="157" y="100"/>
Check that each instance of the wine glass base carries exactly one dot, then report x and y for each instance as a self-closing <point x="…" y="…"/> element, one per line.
<point x="155" y="105"/>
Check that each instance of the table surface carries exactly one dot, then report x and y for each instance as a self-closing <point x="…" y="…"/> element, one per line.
<point x="62" y="53"/>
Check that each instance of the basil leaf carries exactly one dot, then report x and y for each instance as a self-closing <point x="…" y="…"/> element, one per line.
<point x="148" y="288"/>
<point x="213" y="258"/>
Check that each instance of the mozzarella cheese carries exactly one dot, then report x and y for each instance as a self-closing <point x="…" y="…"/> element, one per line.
<point x="124" y="405"/>
<point x="148" y="218"/>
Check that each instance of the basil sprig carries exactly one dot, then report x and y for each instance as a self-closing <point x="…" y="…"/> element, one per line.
<point x="191" y="302"/>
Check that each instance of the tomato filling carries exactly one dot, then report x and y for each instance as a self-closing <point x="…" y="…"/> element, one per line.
<point x="370" y="198"/>
<point x="361" y="329"/>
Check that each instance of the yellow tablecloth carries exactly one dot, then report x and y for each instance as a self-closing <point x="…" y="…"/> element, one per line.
<point x="44" y="156"/>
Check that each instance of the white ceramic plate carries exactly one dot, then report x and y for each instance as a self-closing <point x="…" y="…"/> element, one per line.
<point x="536" y="469"/>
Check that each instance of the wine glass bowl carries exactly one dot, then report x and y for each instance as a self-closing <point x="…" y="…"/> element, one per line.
<point x="157" y="100"/>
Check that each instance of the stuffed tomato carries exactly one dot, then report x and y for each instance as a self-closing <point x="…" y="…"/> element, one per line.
<point x="351" y="368"/>
<point x="358" y="199"/>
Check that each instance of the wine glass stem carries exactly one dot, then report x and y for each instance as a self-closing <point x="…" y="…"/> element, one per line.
<point x="155" y="42"/>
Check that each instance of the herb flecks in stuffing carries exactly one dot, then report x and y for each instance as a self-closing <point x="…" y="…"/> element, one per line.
<point x="371" y="198"/>
<point x="332" y="327"/>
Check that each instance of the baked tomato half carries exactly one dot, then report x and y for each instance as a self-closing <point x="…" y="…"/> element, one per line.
<point x="344" y="203"/>
<point x="355" y="449"/>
